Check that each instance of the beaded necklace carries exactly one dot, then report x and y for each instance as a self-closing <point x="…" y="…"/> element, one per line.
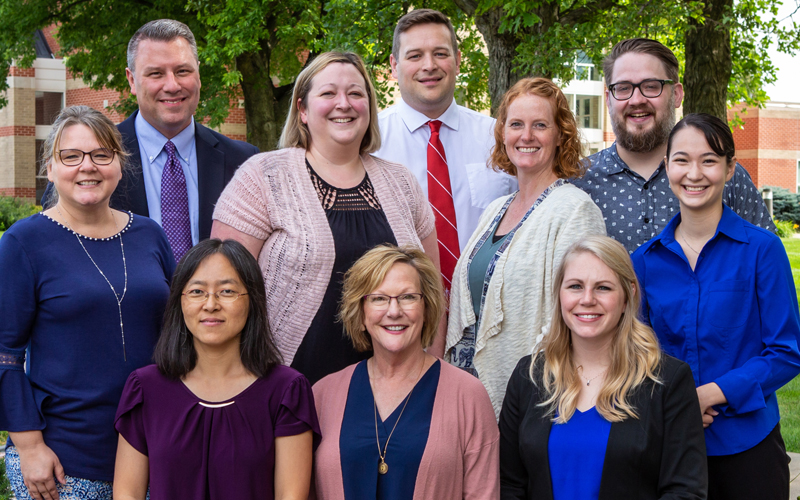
<point x="117" y="297"/>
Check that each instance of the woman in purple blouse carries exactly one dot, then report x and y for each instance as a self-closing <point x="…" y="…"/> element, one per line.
<point x="217" y="416"/>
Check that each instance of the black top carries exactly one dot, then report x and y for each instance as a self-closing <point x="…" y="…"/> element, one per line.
<point x="358" y="223"/>
<point x="659" y="455"/>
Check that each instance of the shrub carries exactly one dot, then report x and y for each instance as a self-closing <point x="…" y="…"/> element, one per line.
<point x="5" y="486"/>
<point x="13" y="209"/>
<point x="786" y="229"/>
<point x="785" y="205"/>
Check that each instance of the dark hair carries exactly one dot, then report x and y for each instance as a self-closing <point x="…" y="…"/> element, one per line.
<point x="175" y="354"/>
<point x="641" y="46"/>
<point x="567" y="162"/>
<point x="417" y="17"/>
<point x="160" y="30"/>
<point x="718" y="133"/>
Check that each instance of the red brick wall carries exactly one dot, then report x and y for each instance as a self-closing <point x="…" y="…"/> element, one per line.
<point x="94" y="99"/>
<point x="18" y="130"/>
<point x="18" y="192"/>
<point x="15" y="71"/>
<point x="49" y="35"/>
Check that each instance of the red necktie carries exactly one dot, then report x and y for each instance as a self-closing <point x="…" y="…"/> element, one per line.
<point x="441" y="198"/>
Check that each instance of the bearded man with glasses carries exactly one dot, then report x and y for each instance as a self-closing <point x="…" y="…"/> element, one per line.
<point x="628" y="180"/>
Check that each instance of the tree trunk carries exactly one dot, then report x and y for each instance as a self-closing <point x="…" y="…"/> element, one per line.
<point x="263" y="127"/>
<point x="502" y="50"/>
<point x="708" y="62"/>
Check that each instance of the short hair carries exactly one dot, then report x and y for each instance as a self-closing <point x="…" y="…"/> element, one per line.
<point x="296" y="134"/>
<point x="160" y="30"/>
<point x="717" y="132"/>
<point x="642" y="46"/>
<point x="101" y="126"/>
<point x="568" y="153"/>
<point x="175" y="354"/>
<point x="368" y="273"/>
<point x="417" y="17"/>
<point x="635" y="353"/>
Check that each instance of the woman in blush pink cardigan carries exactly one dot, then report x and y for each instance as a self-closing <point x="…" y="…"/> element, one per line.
<point x="401" y="425"/>
<point x="312" y="208"/>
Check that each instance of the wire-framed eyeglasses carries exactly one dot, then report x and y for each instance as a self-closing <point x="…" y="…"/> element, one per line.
<point x="74" y="157"/>
<point x="225" y="296"/>
<point x="622" y="91"/>
<point x="381" y="301"/>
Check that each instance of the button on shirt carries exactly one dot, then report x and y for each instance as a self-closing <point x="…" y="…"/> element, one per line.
<point x="734" y="320"/>
<point x="637" y="209"/>
<point x="154" y="157"/>
<point x="467" y="137"/>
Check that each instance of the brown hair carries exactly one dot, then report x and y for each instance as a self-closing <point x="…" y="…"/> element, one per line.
<point x="417" y="17"/>
<point x="569" y="152"/>
<point x="641" y="46"/>
<point x="635" y="353"/>
<point x="368" y="273"/>
<point x="295" y="133"/>
<point x="101" y="126"/>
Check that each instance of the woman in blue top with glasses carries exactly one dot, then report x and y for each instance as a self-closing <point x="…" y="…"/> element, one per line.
<point x="719" y="293"/>
<point x="83" y="288"/>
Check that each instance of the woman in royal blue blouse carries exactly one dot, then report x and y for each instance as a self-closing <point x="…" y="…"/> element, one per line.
<point x="83" y="290"/>
<point x="718" y="291"/>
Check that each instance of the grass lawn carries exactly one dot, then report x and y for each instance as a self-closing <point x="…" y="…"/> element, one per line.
<point x="789" y="395"/>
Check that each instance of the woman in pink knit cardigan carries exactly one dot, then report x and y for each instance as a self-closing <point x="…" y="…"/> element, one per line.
<point x="310" y="209"/>
<point x="401" y="425"/>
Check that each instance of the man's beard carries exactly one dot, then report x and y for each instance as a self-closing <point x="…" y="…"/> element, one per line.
<point x="645" y="141"/>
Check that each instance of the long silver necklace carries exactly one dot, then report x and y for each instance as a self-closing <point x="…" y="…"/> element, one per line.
<point x="589" y="380"/>
<point x="683" y="237"/>
<point x="117" y="297"/>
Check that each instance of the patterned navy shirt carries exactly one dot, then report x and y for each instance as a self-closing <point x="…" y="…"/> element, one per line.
<point x="637" y="209"/>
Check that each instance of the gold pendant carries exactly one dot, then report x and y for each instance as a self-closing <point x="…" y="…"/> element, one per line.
<point x="382" y="467"/>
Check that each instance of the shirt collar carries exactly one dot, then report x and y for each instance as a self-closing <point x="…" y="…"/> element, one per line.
<point x="610" y="163"/>
<point x="413" y="119"/>
<point x="730" y="224"/>
<point x="153" y="141"/>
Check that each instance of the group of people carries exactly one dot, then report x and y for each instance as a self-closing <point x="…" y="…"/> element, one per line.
<point x="448" y="271"/>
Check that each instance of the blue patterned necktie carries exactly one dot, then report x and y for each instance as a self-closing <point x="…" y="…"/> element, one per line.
<point x="175" y="204"/>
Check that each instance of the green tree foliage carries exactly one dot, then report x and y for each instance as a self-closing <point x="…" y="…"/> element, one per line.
<point x="785" y="204"/>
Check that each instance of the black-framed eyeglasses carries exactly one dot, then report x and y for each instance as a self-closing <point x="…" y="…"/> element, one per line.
<point x="381" y="301"/>
<point x="74" y="157"/>
<point x="198" y="295"/>
<point x="622" y="91"/>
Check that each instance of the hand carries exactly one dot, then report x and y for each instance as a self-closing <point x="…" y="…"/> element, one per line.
<point x="709" y="395"/>
<point x="39" y="465"/>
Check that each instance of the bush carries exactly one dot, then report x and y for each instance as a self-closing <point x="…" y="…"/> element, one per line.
<point x="785" y="205"/>
<point x="786" y="229"/>
<point x="5" y="486"/>
<point x="13" y="209"/>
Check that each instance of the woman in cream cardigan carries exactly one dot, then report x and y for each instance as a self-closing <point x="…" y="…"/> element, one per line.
<point x="312" y="208"/>
<point x="501" y="301"/>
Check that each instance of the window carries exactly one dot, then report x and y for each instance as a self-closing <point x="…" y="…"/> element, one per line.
<point x="587" y="111"/>
<point x="48" y="105"/>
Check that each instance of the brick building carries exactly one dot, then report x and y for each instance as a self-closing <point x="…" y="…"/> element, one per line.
<point x="768" y="145"/>
<point x="35" y="96"/>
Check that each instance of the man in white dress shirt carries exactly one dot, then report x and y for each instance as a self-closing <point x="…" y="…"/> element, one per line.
<point x="425" y="60"/>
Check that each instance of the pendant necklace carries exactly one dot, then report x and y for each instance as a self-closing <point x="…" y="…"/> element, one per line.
<point x="117" y="297"/>
<point x="383" y="467"/>
<point x="589" y="380"/>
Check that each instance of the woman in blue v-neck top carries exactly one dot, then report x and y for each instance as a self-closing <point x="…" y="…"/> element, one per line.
<point x="719" y="294"/>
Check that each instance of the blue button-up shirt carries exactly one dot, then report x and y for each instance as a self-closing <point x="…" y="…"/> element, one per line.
<point x="636" y="209"/>
<point x="154" y="157"/>
<point x="734" y="320"/>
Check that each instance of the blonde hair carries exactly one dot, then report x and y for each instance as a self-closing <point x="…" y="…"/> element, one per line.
<point x="101" y="126"/>
<point x="368" y="273"/>
<point x="635" y="353"/>
<point x="295" y="133"/>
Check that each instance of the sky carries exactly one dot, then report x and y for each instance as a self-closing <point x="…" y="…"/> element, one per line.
<point x="785" y="88"/>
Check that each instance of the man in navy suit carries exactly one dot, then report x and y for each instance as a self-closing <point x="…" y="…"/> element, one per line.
<point x="163" y="72"/>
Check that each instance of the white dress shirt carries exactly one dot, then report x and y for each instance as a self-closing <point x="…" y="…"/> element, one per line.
<point x="467" y="137"/>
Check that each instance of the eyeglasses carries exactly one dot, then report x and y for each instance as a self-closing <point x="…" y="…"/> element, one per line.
<point x="74" y="157"/>
<point x="380" y="301"/>
<point x="622" y="91"/>
<point x="224" y="296"/>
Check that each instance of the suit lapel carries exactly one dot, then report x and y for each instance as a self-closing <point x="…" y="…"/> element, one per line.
<point x="130" y="194"/>
<point x="210" y="175"/>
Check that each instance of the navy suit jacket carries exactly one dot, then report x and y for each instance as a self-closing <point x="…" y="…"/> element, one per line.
<point x="218" y="157"/>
